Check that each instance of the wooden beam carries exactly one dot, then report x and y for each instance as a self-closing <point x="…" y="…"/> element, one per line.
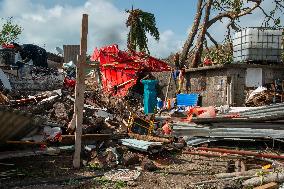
<point x="271" y="185"/>
<point x="79" y="91"/>
<point x="149" y="138"/>
<point x="168" y="86"/>
<point x="25" y="142"/>
<point x="91" y="138"/>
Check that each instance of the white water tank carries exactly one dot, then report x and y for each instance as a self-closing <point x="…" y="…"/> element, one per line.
<point x="257" y="45"/>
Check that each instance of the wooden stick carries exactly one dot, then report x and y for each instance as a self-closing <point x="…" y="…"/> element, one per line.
<point x="244" y="173"/>
<point x="271" y="185"/>
<point x="79" y="91"/>
<point x="90" y="138"/>
<point x="149" y="138"/>
<point x="168" y="87"/>
<point x="220" y="180"/>
<point x="26" y="142"/>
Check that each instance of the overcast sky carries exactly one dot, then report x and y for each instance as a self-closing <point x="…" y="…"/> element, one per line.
<point x="52" y="23"/>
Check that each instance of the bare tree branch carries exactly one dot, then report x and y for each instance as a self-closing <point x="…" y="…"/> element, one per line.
<point x="268" y="17"/>
<point x="212" y="39"/>
<point x="233" y="15"/>
<point x="197" y="54"/>
<point x="191" y="36"/>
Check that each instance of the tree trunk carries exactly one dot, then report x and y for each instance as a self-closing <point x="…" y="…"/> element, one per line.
<point x="201" y="37"/>
<point x="274" y="177"/>
<point x="244" y="173"/>
<point x="188" y="43"/>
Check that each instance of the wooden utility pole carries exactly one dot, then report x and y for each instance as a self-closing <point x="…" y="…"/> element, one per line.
<point x="79" y="90"/>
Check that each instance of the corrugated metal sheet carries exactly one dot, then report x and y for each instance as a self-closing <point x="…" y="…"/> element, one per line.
<point x="227" y="132"/>
<point x="140" y="145"/>
<point x="71" y="52"/>
<point x="14" y="125"/>
<point x="194" y="141"/>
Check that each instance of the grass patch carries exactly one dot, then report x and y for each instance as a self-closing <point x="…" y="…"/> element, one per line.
<point x="105" y="183"/>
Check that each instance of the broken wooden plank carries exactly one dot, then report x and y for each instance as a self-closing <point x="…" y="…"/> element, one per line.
<point x="243" y="173"/>
<point x="149" y="138"/>
<point x="271" y="185"/>
<point x="26" y="142"/>
<point x="90" y="138"/>
<point x="26" y="153"/>
<point x="219" y="180"/>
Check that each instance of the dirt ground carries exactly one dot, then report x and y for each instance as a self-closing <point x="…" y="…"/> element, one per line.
<point x="178" y="171"/>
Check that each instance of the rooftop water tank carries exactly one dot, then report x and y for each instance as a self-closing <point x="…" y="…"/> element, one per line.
<point x="257" y="45"/>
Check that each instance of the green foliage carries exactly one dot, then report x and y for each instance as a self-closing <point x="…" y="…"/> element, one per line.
<point x="140" y="23"/>
<point x="120" y="184"/>
<point x="94" y="166"/>
<point x="10" y="31"/>
<point x="105" y="183"/>
<point x="234" y="5"/>
<point x="221" y="55"/>
<point x="261" y="174"/>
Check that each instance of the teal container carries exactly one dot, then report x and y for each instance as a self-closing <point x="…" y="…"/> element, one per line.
<point x="150" y="96"/>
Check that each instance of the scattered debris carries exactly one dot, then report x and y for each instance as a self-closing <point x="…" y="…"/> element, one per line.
<point x="148" y="165"/>
<point x="37" y="115"/>
<point x="141" y="145"/>
<point x="122" y="175"/>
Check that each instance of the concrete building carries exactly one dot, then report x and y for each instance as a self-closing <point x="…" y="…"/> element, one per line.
<point x="229" y="83"/>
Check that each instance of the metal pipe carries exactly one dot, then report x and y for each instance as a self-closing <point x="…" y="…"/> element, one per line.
<point x="241" y="152"/>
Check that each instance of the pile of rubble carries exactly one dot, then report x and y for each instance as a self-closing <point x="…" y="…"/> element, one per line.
<point x="263" y="96"/>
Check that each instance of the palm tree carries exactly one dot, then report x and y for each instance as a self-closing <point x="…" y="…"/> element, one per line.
<point x="140" y="23"/>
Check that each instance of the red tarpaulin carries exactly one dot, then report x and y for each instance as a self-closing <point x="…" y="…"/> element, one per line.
<point x="120" y="69"/>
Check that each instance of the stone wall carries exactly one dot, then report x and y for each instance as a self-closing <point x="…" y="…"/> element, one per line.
<point x="270" y="75"/>
<point x="210" y="85"/>
<point x="238" y="79"/>
<point x="163" y="80"/>
<point x="37" y="84"/>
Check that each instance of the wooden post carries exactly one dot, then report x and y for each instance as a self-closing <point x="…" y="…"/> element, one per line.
<point x="168" y="86"/>
<point x="79" y="90"/>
